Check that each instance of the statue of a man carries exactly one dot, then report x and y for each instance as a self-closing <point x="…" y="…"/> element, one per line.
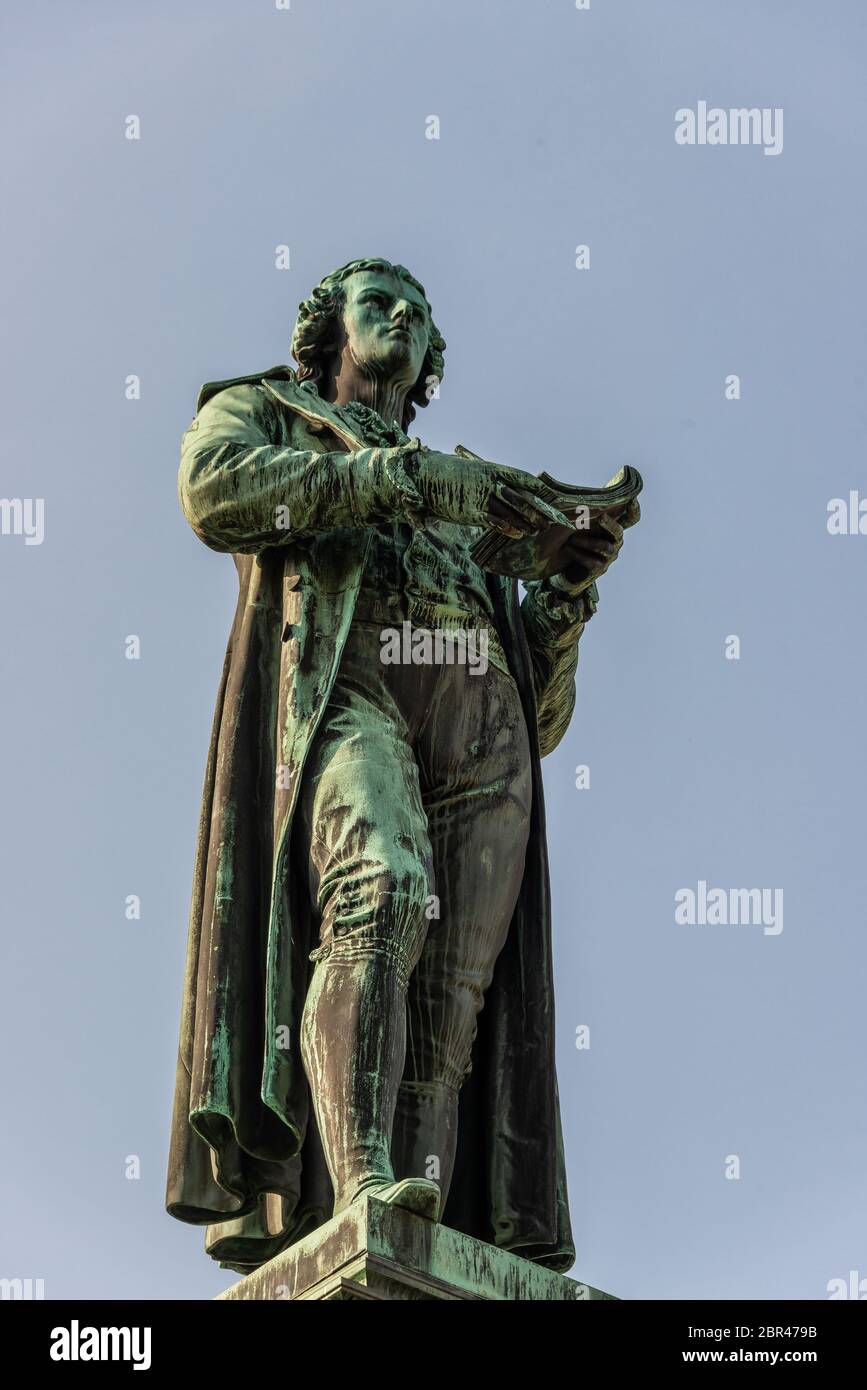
<point x="371" y="866"/>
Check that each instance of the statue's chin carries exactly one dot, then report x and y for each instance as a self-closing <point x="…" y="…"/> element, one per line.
<point x="396" y="354"/>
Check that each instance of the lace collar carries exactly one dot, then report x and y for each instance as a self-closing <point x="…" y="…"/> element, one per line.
<point x="365" y="421"/>
<point x="370" y="425"/>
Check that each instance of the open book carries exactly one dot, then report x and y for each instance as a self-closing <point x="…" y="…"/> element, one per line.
<point x="538" y="557"/>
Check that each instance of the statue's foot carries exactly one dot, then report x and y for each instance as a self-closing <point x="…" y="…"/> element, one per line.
<point x="418" y="1195"/>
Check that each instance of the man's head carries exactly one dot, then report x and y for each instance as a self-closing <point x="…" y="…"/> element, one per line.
<point x="378" y="314"/>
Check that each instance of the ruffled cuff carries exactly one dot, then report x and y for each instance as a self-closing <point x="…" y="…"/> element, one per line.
<point x="382" y="485"/>
<point x="561" y="608"/>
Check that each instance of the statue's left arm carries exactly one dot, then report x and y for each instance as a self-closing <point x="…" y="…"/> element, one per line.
<point x="554" y="620"/>
<point x="555" y="612"/>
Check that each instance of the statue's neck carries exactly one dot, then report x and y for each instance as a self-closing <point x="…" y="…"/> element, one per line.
<point x="387" y="398"/>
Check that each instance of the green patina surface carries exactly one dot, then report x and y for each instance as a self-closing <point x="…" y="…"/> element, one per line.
<point x="310" y="481"/>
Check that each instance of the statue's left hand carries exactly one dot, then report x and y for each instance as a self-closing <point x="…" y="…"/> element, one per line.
<point x="590" y="553"/>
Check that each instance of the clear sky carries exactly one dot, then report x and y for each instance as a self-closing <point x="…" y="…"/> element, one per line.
<point x="156" y="257"/>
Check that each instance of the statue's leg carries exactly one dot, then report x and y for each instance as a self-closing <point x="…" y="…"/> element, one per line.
<point x="477" y="790"/>
<point x="371" y="876"/>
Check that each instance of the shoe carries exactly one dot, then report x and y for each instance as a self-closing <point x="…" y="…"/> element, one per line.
<point x="418" y="1195"/>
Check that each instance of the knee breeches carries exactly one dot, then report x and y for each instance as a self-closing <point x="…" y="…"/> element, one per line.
<point x="415" y="806"/>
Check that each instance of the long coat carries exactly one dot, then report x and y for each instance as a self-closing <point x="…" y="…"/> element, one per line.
<point x="245" y="1159"/>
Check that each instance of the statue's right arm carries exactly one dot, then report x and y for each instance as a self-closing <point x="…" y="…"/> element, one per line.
<point x="241" y="492"/>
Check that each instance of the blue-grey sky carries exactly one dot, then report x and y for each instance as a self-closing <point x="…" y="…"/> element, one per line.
<point x="156" y="257"/>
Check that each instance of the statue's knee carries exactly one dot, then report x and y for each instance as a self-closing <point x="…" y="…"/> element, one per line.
<point x="401" y="906"/>
<point x="382" y="910"/>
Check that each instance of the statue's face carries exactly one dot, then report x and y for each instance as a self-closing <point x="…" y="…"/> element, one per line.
<point x="387" y="325"/>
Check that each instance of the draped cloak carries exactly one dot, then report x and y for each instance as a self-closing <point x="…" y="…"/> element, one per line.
<point x="245" y="1159"/>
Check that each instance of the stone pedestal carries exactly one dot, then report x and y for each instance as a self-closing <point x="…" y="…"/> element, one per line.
<point x="376" y="1251"/>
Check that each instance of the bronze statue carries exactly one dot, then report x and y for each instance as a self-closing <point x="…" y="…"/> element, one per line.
<point x="371" y="867"/>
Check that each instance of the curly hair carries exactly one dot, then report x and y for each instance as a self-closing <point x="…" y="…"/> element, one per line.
<point x="315" y="333"/>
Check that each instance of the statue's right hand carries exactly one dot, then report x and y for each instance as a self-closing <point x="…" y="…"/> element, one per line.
<point x="474" y="492"/>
